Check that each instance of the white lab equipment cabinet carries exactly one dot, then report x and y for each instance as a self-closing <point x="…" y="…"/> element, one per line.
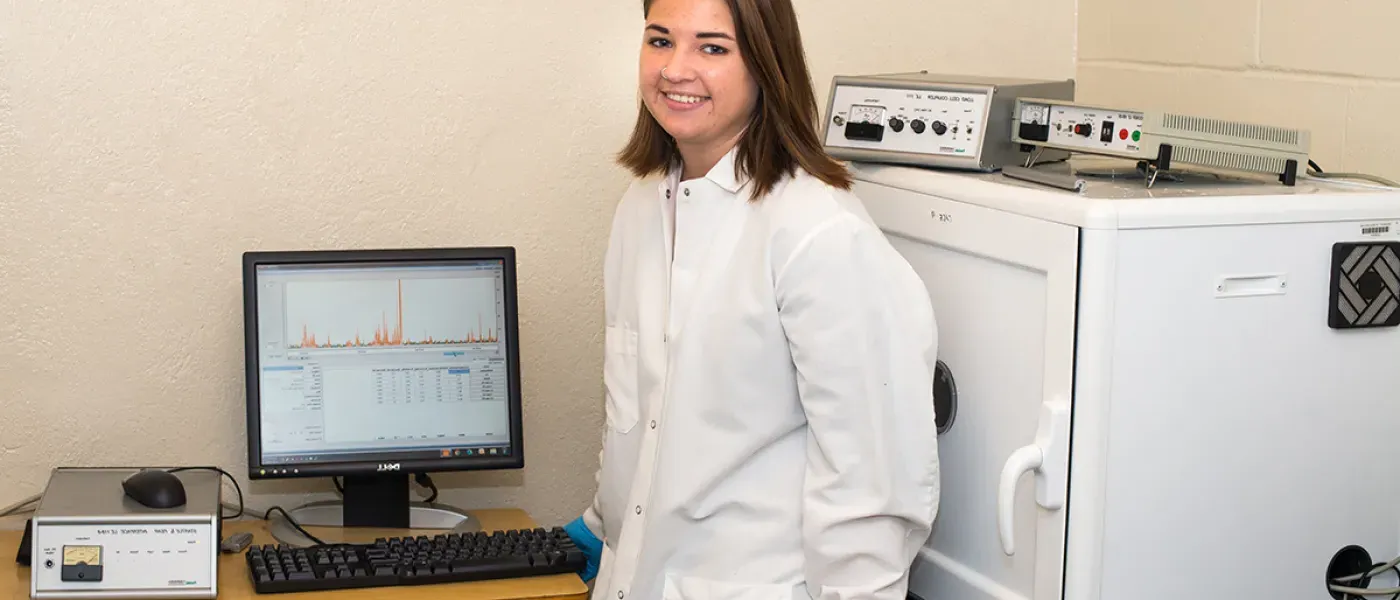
<point x="1184" y="392"/>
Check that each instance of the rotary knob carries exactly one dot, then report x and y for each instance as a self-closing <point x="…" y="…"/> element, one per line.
<point x="939" y="128"/>
<point x="897" y="125"/>
<point x="917" y="126"/>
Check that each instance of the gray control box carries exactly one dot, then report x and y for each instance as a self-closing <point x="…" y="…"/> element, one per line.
<point x="948" y="121"/>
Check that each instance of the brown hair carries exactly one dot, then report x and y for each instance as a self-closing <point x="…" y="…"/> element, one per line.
<point x="781" y="133"/>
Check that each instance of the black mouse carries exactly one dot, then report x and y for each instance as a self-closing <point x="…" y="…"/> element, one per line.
<point x="155" y="488"/>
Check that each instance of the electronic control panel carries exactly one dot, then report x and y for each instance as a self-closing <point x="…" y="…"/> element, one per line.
<point x="92" y="541"/>
<point x="1070" y="126"/>
<point x="930" y="120"/>
<point x="1161" y="138"/>
<point x="914" y="121"/>
<point x="156" y="558"/>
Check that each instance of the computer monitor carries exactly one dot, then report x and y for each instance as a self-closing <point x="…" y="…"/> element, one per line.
<point x="372" y="365"/>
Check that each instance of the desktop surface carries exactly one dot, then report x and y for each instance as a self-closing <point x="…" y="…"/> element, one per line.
<point x="234" y="581"/>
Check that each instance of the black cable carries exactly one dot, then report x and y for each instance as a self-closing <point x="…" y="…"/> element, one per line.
<point x="1314" y="166"/>
<point x="267" y="516"/>
<point x="424" y="480"/>
<point x="236" y="488"/>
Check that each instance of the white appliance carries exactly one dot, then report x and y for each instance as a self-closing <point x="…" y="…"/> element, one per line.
<point x="1151" y="402"/>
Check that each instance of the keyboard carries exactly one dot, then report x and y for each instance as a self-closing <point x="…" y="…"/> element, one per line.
<point x="418" y="560"/>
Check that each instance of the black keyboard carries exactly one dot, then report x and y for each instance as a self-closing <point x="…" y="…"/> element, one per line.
<point x="413" y="561"/>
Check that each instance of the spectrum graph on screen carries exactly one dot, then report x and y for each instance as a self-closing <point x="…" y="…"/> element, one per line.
<point x="376" y="313"/>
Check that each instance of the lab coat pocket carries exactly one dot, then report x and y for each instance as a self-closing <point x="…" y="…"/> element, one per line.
<point x="680" y="587"/>
<point x="620" y="378"/>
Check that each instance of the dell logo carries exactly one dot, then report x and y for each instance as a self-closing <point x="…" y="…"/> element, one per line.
<point x="389" y="467"/>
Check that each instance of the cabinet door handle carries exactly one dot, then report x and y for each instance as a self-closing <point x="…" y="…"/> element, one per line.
<point x="1048" y="459"/>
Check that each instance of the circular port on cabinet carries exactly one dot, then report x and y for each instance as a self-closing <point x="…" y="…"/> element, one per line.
<point x="945" y="397"/>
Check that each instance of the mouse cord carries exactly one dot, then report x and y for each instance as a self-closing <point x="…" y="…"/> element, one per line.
<point x="236" y="487"/>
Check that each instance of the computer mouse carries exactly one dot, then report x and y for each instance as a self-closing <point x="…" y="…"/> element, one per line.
<point x="155" y="488"/>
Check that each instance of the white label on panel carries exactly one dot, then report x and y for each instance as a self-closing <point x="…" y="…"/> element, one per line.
<point x="132" y="556"/>
<point x="1095" y="129"/>
<point x="916" y="121"/>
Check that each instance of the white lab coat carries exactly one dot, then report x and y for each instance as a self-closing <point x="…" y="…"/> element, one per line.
<point x="770" y="426"/>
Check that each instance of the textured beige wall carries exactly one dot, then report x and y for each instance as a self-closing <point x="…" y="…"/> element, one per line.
<point x="145" y="145"/>
<point x="1330" y="67"/>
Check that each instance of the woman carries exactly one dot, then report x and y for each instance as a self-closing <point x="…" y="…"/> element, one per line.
<point x="768" y="357"/>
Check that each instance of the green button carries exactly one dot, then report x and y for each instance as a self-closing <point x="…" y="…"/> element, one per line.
<point x="1136" y="135"/>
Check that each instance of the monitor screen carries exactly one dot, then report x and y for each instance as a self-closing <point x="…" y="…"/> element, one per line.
<point x="380" y="360"/>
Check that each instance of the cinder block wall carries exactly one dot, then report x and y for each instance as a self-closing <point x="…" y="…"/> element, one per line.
<point x="1330" y="67"/>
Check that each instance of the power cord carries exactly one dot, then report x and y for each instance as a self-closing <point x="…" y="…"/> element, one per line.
<point x="1351" y="557"/>
<point x="1316" y="171"/>
<point x="267" y="516"/>
<point x="21" y="506"/>
<point x="423" y="479"/>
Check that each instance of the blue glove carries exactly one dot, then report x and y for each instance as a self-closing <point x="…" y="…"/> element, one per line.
<point x="591" y="546"/>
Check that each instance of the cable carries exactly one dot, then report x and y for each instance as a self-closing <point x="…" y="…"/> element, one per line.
<point x="19" y="507"/>
<point x="1316" y="171"/>
<point x="230" y="477"/>
<point x="424" y="480"/>
<point x="1355" y="591"/>
<point x="1376" y="569"/>
<point x="267" y="516"/>
<point x="1362" y="176"/>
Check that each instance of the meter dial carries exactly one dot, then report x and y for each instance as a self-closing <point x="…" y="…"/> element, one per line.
<point x="1038" y="114"/>
<point x="861" y="113"/>
<point x="82" y="555"/>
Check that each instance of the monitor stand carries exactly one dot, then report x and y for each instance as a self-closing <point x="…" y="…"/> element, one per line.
<point x="372" y="506"/>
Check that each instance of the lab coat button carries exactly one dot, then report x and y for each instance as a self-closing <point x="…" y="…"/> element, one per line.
<point x="653" y="424"/>
<point x="639" y="510"/>
<point x="687" y="191"/>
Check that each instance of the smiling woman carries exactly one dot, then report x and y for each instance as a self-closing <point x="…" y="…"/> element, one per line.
<point x="768" y="357"/>
<point x="709" y="81"/>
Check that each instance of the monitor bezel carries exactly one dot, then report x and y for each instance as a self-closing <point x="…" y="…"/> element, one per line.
<point x="254" y="259"/>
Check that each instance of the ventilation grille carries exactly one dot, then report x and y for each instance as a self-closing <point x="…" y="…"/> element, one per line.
<point x="1263" y="133"/>
<point x="1227" y="160"/>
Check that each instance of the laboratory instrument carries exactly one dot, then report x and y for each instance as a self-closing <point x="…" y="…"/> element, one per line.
<point x="1147" y="393"/>
<point x="1160" y="138"/>
<point x="90" y="540"/>
<point x="932" y="120"/>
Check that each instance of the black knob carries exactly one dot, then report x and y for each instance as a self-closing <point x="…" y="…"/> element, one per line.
<point x="939" y="128"/>
<point x="897" y="125"/>
<point x="917" y="126"/>
<point x="1083" y="129"/>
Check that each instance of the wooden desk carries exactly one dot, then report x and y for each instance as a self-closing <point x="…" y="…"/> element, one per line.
<point x="235" y="584"/>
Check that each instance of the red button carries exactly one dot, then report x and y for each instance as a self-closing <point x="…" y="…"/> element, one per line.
<point x="1122" y="134"/>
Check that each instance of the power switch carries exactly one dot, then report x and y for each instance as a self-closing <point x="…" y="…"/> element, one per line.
<point x="1106" y="132"/>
